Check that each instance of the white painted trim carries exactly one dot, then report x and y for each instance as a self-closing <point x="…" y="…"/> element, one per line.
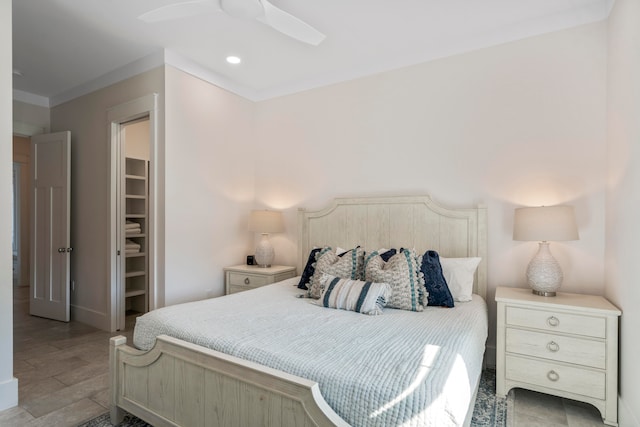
<point x="571" y="18"/>
<point x="141" y="107"/>
<point x="534" y="27"/>
<point x="8" y="394"/>
<point x="131" y="69"/>
<point x="190" y="67"/>
<point x="94" y="318"/>
<point x="30" y="98"/>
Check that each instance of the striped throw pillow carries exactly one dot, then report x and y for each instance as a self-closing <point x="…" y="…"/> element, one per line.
<point x="354" y="295"/>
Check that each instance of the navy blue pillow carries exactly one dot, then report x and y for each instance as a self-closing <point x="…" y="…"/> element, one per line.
<point x="434" y="281"/>
<point x="387" y="255"/>
<point x="309" y="269"/>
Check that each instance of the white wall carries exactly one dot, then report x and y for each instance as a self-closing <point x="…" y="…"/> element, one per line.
<point x="86" y="118"/>
<point x="209" y="184"/>
<point x="623" y="201"/>
<point x="8" y="384"/>
<point x="522" y="123"/>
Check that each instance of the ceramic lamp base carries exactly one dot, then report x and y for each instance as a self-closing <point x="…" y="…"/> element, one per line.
<point x="544" y="274"/>
<point x="264" y="252"/>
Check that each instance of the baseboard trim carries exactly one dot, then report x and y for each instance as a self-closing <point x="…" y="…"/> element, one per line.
<point x="8" y="394"/>
<point x="625" y="416"/>
<point x="90" y="317"/>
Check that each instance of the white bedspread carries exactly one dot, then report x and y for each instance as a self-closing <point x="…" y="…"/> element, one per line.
<point x="397" y="369"/>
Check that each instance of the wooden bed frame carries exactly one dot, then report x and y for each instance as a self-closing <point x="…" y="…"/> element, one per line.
<point x="182" y="384"/>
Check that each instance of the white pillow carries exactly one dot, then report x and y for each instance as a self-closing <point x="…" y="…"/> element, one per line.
<point x="459" y="272"/>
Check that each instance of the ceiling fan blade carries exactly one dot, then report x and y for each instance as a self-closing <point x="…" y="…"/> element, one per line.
<point x="288" y="24"/>
<point x="179" y="10"/>
<point x="245" y="9"/>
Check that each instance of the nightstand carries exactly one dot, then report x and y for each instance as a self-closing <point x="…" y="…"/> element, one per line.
<point x="565" y="345"/>
<point x="244" y="277"/>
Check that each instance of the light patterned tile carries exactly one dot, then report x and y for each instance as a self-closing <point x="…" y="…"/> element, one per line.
<point x="38" y="388"/>
<point x="15" y="417"/>
<point x="69" y="416"/>
<point x="83" y="373"/>
<point x="83" y="390"/>
<point x="102" y="398"/>
<point x="540" y="405"/>
<point x="526" y="420"/>
<point x="582" y="414"/>
<point x="50" y="369"/>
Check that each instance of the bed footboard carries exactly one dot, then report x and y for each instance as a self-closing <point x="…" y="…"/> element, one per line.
<point x="182" y="384"/>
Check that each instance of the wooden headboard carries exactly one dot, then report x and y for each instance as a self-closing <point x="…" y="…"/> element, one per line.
<point x="393" y="222"/>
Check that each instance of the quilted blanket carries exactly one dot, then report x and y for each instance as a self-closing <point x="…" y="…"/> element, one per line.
<point x="400" y="368"/>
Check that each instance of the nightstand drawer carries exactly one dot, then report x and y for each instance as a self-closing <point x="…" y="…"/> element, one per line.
<point x="557" y="347"/>
<point x="248" y="280"/>
<point x="585" y="382"/>
<point x="237" y="288"/>
<point x="557" y="322"/>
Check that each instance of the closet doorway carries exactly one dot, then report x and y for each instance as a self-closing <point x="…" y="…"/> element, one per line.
<point x="132" y="254"/>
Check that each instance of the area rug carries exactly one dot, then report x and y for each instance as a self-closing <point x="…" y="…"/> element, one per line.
<point x="490" y="411"/>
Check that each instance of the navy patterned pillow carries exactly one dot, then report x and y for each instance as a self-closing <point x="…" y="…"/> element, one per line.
<point x="386" y="254"/>
<point x="434" y="281"/>
<point x="309" y="269"/>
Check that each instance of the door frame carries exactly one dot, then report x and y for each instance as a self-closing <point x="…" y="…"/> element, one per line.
<point x="16" y="247"/>
<point x="117" y="116"/>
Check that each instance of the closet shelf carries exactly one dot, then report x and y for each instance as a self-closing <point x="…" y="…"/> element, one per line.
<point x="135" y="208"/>
<point x="137" y="254"/>
<point x="135" y="293"/>
<point x="140" y="177"/>
<point x="135" y="273"/>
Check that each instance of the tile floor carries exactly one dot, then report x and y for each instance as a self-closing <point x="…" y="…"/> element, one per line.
<point x="62" y="371"/>
<point x="533" y="409"/>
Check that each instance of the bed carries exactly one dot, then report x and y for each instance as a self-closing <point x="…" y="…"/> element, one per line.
<point x="259" y="366"/>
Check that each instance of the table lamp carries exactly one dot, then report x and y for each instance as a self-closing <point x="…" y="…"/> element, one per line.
<point x="544" y="224"/>
<point x="265" y="222"/>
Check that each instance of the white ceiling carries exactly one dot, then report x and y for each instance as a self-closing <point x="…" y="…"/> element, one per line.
<point x="60" y="45"/>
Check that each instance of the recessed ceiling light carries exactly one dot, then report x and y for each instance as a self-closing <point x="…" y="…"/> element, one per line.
<point x="233" y="60"/>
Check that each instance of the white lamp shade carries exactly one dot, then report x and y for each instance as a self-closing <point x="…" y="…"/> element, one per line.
<point x="545" y="223"/>
<point x="266" y="222"/>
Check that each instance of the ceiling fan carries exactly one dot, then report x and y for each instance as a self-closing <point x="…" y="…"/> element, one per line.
<point x="260" y="10"/>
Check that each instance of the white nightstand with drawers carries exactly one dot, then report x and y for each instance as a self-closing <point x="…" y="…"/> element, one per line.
<point x="565" y="345"/>
<point x="244" y="277"/>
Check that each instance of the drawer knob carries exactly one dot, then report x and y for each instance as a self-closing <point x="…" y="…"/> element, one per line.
<point x="553" y="321"/>
<point x="246" y="281"/>
<point x="553" y="346"/>
<point x="553" y="376"/>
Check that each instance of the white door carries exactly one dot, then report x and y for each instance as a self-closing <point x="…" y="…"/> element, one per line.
<point x="50" y="223"/>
